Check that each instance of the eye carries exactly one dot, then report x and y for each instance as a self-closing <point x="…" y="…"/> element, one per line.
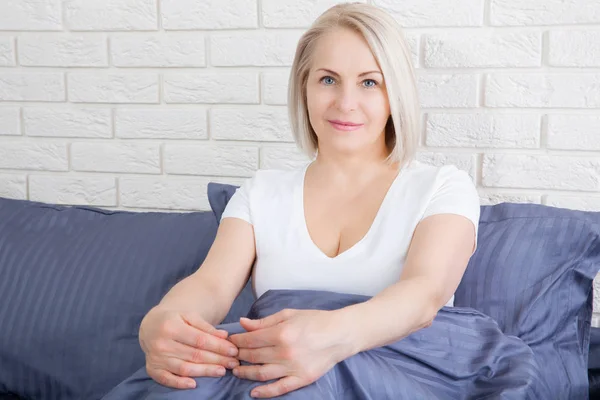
<point x="327" y="80"/>
<point x="370" y="83"/>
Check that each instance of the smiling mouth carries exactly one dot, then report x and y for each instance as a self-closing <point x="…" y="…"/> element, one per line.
<point x="344" y="126"/>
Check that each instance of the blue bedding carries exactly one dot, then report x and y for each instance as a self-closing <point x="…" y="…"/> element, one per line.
<point x="462" y="355"/>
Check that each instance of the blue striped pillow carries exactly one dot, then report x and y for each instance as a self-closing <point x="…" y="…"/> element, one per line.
<point x="533" y="273"/>
<point x="75" y="283"/>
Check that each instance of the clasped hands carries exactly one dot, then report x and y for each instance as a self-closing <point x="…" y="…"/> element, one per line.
<point x="296" y="347"/>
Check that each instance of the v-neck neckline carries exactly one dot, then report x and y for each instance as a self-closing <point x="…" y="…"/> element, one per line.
<point x="376" y="221"/>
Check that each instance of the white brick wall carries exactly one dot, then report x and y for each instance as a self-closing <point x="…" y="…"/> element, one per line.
<point x="138" y="104"/>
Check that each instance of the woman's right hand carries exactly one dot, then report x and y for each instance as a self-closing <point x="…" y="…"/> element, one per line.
<point x="180" y="345"/>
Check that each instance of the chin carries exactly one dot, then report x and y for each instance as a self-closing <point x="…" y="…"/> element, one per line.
<point x="346" y="146"/>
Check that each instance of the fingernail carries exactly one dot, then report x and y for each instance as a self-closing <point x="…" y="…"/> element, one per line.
<point x="235" y="372"/>
<point x="221" y="371"/>
<point x="191" y="385"/>
<point x="232" y="364"/>
<point x="232" y="352"/>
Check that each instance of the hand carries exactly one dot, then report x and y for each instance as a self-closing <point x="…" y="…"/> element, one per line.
<point x="298" y="346"/>
<point x="180" y="345"/>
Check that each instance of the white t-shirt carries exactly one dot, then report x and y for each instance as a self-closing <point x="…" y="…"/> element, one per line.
<point x="287" y="258"/>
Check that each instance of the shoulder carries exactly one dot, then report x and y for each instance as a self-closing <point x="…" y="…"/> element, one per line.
<point x="266" y="183"/>
<point x="443" y="189"/>
<point x="436" y="189"/>
<point x="434" y="177"/>
<point x="265" y="191"/>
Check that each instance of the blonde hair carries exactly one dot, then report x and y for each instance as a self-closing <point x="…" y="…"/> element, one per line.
<point x="388" y="45"/>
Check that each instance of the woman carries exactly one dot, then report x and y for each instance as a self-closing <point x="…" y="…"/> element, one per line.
<point x="364" y="217"/>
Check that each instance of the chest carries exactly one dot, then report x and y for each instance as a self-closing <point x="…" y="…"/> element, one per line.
<point x="337" y="221"/>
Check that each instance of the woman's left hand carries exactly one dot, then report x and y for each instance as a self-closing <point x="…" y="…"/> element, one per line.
<point x="298" y="346"/>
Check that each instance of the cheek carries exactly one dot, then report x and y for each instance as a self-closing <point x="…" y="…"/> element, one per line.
<point x="378" y="109"/>
<point x="316" y="102"/>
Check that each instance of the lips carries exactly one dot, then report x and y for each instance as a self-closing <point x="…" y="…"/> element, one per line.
<point x="344" y="125"/>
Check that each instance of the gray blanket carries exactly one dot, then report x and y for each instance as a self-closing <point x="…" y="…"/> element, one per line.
<point x="462" y="355"/>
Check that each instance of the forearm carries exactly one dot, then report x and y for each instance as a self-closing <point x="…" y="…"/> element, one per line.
<point x="194" y="293"/>
<point x="393" y="314"/>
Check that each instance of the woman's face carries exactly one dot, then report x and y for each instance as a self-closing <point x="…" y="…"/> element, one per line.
<point x="347" y="101"/>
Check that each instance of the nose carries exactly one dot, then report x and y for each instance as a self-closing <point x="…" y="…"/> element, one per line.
<point x="347" y="99"/>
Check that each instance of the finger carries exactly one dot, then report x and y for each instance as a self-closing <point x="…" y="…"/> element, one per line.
<point x="271" y="320"/>
<point x="168" y="379"/>
<point x="195" y="320"/>
<point x="195" y="338"/>
<point x="253" y="340"/>
<point x="263" y="355"/>
<point x="187" y="369"/>
<point x="279" y="388"/>
<point x="199" y="356"/>
<point x="260" y="373"/>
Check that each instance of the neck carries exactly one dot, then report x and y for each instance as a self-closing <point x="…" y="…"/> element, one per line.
<point x="352" y="169"/>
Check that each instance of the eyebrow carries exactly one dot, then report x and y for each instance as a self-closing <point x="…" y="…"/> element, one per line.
<point x="361" y="74"/>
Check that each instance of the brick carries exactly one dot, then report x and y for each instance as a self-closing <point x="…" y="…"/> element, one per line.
<point x="32" y="86"/>
<point x="464" y="161"/>
<point x="540" y="171"/>
<point x="293" y="13"/>
<point x="63" y="50"/>
<point x="33" y="155"/>
<point x="30" y="15"/>
<point x="211" y="159"/>
<point x="414" y="43"/>
<point x="92" y="87"/>
<point x="170" y="50"/>
<point x="282" y="157"/>
<point x="445" y="90"/>
<point x="13" y="186"/>
<point x="183" y="193"/>
<point x="209" y="14"/>
<point x="7" y="52"/>
<point x="9" y="121"/>
<point x="257" y="48"/>
<point x="161" y="123"/>
<point x="491" y="198"/>
<point x="544" y="12"/>
<point x="275" y="87"/>
<point x="210" y="88"/>
<point x="68" y="190"/>
<point x="116" y="157"/>
<point x="574" y="48"/>
<point x="68" y="122"/>
<point x="476" y="49"/>
<point x="433" y="13"/>
<point x="584" y="203"/>
<point x="574" y="132"/>
<point x="483" y="130"/>
<point x="572" y="90"/>
<point x="111" y="15"/>
<point x="254" y="124"/>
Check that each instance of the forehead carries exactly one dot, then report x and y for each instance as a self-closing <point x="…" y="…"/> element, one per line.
<point x="343" y="51"/>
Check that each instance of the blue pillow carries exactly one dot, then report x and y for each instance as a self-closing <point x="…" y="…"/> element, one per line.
<point x="219" y="195"/>
<point x="533" y="273"/>
<point x="75" y="284"/>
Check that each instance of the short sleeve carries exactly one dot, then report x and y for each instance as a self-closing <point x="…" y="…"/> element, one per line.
<point x="455" y="194"/>
<point x="239" y="204"/>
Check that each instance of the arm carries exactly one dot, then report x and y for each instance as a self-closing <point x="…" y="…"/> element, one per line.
<point x="212" y="289"/>
<point x="437" y="258"/>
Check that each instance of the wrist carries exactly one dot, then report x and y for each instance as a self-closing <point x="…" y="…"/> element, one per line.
<point x="348" y="335"/>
